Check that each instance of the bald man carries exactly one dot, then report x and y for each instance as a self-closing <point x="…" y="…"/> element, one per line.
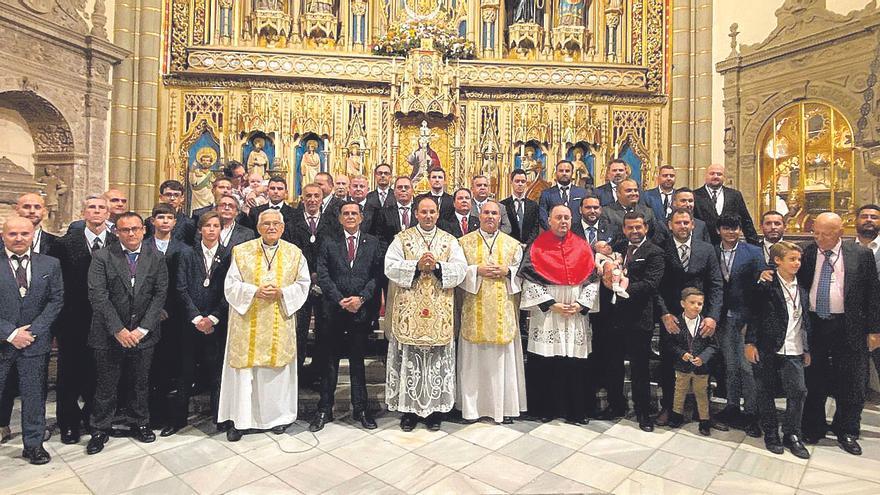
<point x="32" y="206"/>
<point x="841" y="279"/>
<point x="715" y="199"/>
<point x="31" y="295"/>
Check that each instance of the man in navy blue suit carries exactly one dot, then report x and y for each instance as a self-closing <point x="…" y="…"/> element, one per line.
<point x="660" y="198"/>
<point x="31" y="296"/>
<point x="616" y="173"/>
<point x="564" y="192"/>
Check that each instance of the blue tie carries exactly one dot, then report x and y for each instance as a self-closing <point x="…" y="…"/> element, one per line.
<point x="132" y="263"/>
<point x="592" y="235"/>
<point x="823" y="290"/>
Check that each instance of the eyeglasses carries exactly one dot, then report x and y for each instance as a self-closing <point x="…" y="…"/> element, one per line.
<point x="228" y="206"/>
<point x="173" y="195"/>
<point x="272" y="224"/>
<point x="128" y="230"/>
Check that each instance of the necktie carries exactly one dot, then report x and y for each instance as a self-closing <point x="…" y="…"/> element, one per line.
<point x="313" y="225"/>
<point x="725" y="266"/>
<point x="614" y="191"/>
<point x="96" y="245"/>
<point x="464" y="225"/>
<point x="275" y="207"/>
<point x="591" y="235"/>
<point x="351" y="248"/>
<point x="685" y="256"/>
<point x="404" y="217"/>
<point x="715" y="199"/>
<point x="132" y="263"/>
<point x="564" y="194"/>
<point x="21" y="272"/>
<point x="630" y="251"/>
<point x="823" y="290"/>
<point x="382" y="198"/>
<point x="666" y="203"/>
<point x="519" y="211"/>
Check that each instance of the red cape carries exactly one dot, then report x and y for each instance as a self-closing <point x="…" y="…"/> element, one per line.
<point x="562" y="262"/>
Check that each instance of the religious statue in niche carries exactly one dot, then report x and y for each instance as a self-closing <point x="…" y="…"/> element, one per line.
<point x="258" y="160"/>
<point x="310" y="164"/>
<point x="531" y="160"/>
<point x="581" y="175"/>
<point x="319" y="6"/>
<point x="571" y="12"/>
<point x="528" y="11"/>
<point x="53" y="188"/>
<point x="354" y="164"/>
<point x="268" y="5"/>
<point x="423" y="159"/>
<point x="201" y="178"/>
<point x="613" y="17"/>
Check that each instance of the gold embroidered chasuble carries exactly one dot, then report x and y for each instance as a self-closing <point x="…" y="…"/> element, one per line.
<point x="490" y="315"/>
<point x="264" y="335"/>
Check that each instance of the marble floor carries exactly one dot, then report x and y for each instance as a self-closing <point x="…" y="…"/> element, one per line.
<point x="526" y="457"/>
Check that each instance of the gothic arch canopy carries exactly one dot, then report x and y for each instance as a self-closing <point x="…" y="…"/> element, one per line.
<point x="49" y="129"/>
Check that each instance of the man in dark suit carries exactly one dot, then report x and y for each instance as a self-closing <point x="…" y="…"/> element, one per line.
<point x="171" y="192"/>
<point x="117" y="204"/>
<point x="626" y="328"/>
<point x="772" y="230"/>
<point x="383" y="193"/>
<point x="348" y="273"/>
<point x="127" y="289"/>
<point x="220" y="187"/>
<point x="868" y="235"/>
<point x="659" y="199"/>
<point x="593" y="226"/>
<point x="522" y="212"/>
<point x="76" y="364"/>
<point x="277" y="193"/>
<point x="308" y="229"/>
<point x="462" y="221"/>
<point x="716" y="199"/>
<point x="232" y="232"/>
<point x="480" y="194"/>
<point x="200" y="277"/>
<point x="398" y="214"/>
<point x="166" y="353"/>
<point x="741" y="264"/>
<point x="357" y="192"/>
<point x="32" y="294"/>
<point x="843" y="287"/>
<point x="684" y="198"/>
<point x="340" y="187"/>
<point x="437" y="179"/>
<point x="330" y="203"/>
<point x="689" y="263"/>
<point x="564" y="192"/>
<point x="616" y="172"/>
<point x="628" y="200"/>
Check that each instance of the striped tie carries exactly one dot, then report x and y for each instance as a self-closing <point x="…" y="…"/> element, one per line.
<point x="823" y="290"/>
<point x="685" y="256"/>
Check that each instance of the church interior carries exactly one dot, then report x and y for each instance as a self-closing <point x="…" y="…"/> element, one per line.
<point x="104" y="94"/>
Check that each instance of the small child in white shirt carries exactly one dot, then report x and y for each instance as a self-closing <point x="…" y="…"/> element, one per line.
<point x="607" y="259"/>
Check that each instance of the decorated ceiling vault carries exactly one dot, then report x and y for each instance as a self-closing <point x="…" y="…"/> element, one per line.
<point x="301" y="86"/>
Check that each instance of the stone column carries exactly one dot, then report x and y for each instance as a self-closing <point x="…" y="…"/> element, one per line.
<point x="134" y="109"/>
<point x="691" y="129"/>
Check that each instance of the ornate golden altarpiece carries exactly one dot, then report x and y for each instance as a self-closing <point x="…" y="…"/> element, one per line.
<point x="531" y="80"/>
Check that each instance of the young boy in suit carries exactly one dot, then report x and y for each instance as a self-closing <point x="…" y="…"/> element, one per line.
<point x="693" y="352"/>
<point x="777" y="343"/>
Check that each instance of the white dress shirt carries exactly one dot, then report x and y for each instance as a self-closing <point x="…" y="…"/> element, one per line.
<point x="91" y="236"/>
<point x="794" y="333"/>
<point x="692" y="324"/>
<point x="678" y="246"/>
<point x="719" y="202"/>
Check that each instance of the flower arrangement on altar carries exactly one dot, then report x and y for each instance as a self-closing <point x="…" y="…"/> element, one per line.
<point x="403" y="37"/>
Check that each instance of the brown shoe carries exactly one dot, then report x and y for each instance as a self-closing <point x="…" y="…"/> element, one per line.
<point x="662" y="418"/>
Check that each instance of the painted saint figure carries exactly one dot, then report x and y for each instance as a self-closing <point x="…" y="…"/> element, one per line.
<point x="310" y="164"/>
<point x="258" y="160"/>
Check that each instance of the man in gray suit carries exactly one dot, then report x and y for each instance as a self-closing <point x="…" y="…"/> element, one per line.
<point x="868" y="235"/>
<point x="127" y="288"/>
<point x="480" y="190"/>
<point x="31" y="296"/>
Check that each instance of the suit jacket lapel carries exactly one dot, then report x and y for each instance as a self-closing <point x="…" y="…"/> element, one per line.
<point x="851" y="267"/>
<point x="120" y="261"/>
<point x="144" y="266"/>
<point x="7" y="278"/>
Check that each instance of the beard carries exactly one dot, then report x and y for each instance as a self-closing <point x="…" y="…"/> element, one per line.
<point x="867" y="230"/>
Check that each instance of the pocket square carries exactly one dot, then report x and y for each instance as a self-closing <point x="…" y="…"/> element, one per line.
<point x="639" y="259"/>
<point x="46" y="276"/>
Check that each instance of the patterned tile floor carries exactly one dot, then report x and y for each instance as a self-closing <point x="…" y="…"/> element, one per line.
<point x="526" y="457"/>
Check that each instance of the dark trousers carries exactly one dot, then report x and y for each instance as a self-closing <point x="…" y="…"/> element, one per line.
<point x="667" y="371"/>
<point x="332" y="346"/>
<point x="32" y="384"/>
<point x="203" y="354"/>
<point x="313" y="305"/>
<point x="8" y="393"/>
<point x="838" y="369"/>
<point x="164" y="370"/>
<point x="556" y="386"/>
<point x="617" y="343"/>
<point x="111" y="365"/>
<point x="791" y="370"/>
<point x="76" y="379"/>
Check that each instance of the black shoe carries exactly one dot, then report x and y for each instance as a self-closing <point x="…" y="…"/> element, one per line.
<point x="645" y="423"/>
<point x="433" y="421"/>
<point x="849" y="444"/>
<point x="796" y="446"/>
<point x="169" y="430"/>
<point x="675" y="420"/>
<point x="718" y="425"/>
<point x="280" y="429"/>
<point x="773" y="444"/>
<point x="579" y="421"/>
<point x="507" y="420"/>
<point x="752" y="428"/>
<point x="730" y="415"/>
<point x="224" y="426"/>
<point x="365" y="419"/>
<point x="36" y="455"/>
<point x="463" y="421"/>
<point x="233" y="434"/>
<point x="811" y="439"/>
<point x="408" y="422"/>
<point x="143" y="434"/>
<point x="69" y="436"/>
<point x="319" y="421"/>
<point x="96" y="443"/>
<point x="705" y="427"/>
<point x="47" y="433"/>
<point x="609" y="414"/>
<point x="662" y="418"/>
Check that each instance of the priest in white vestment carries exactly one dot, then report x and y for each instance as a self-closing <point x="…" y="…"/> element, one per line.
<point x="559" y="290"/>
<point x="267" y="282"/>
<point x="424" y="265"/>
<point x="491" y="377"/>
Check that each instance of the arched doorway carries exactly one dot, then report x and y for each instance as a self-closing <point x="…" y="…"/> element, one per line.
<point x="806" y="157"/>
<point x="53" y="148"/>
